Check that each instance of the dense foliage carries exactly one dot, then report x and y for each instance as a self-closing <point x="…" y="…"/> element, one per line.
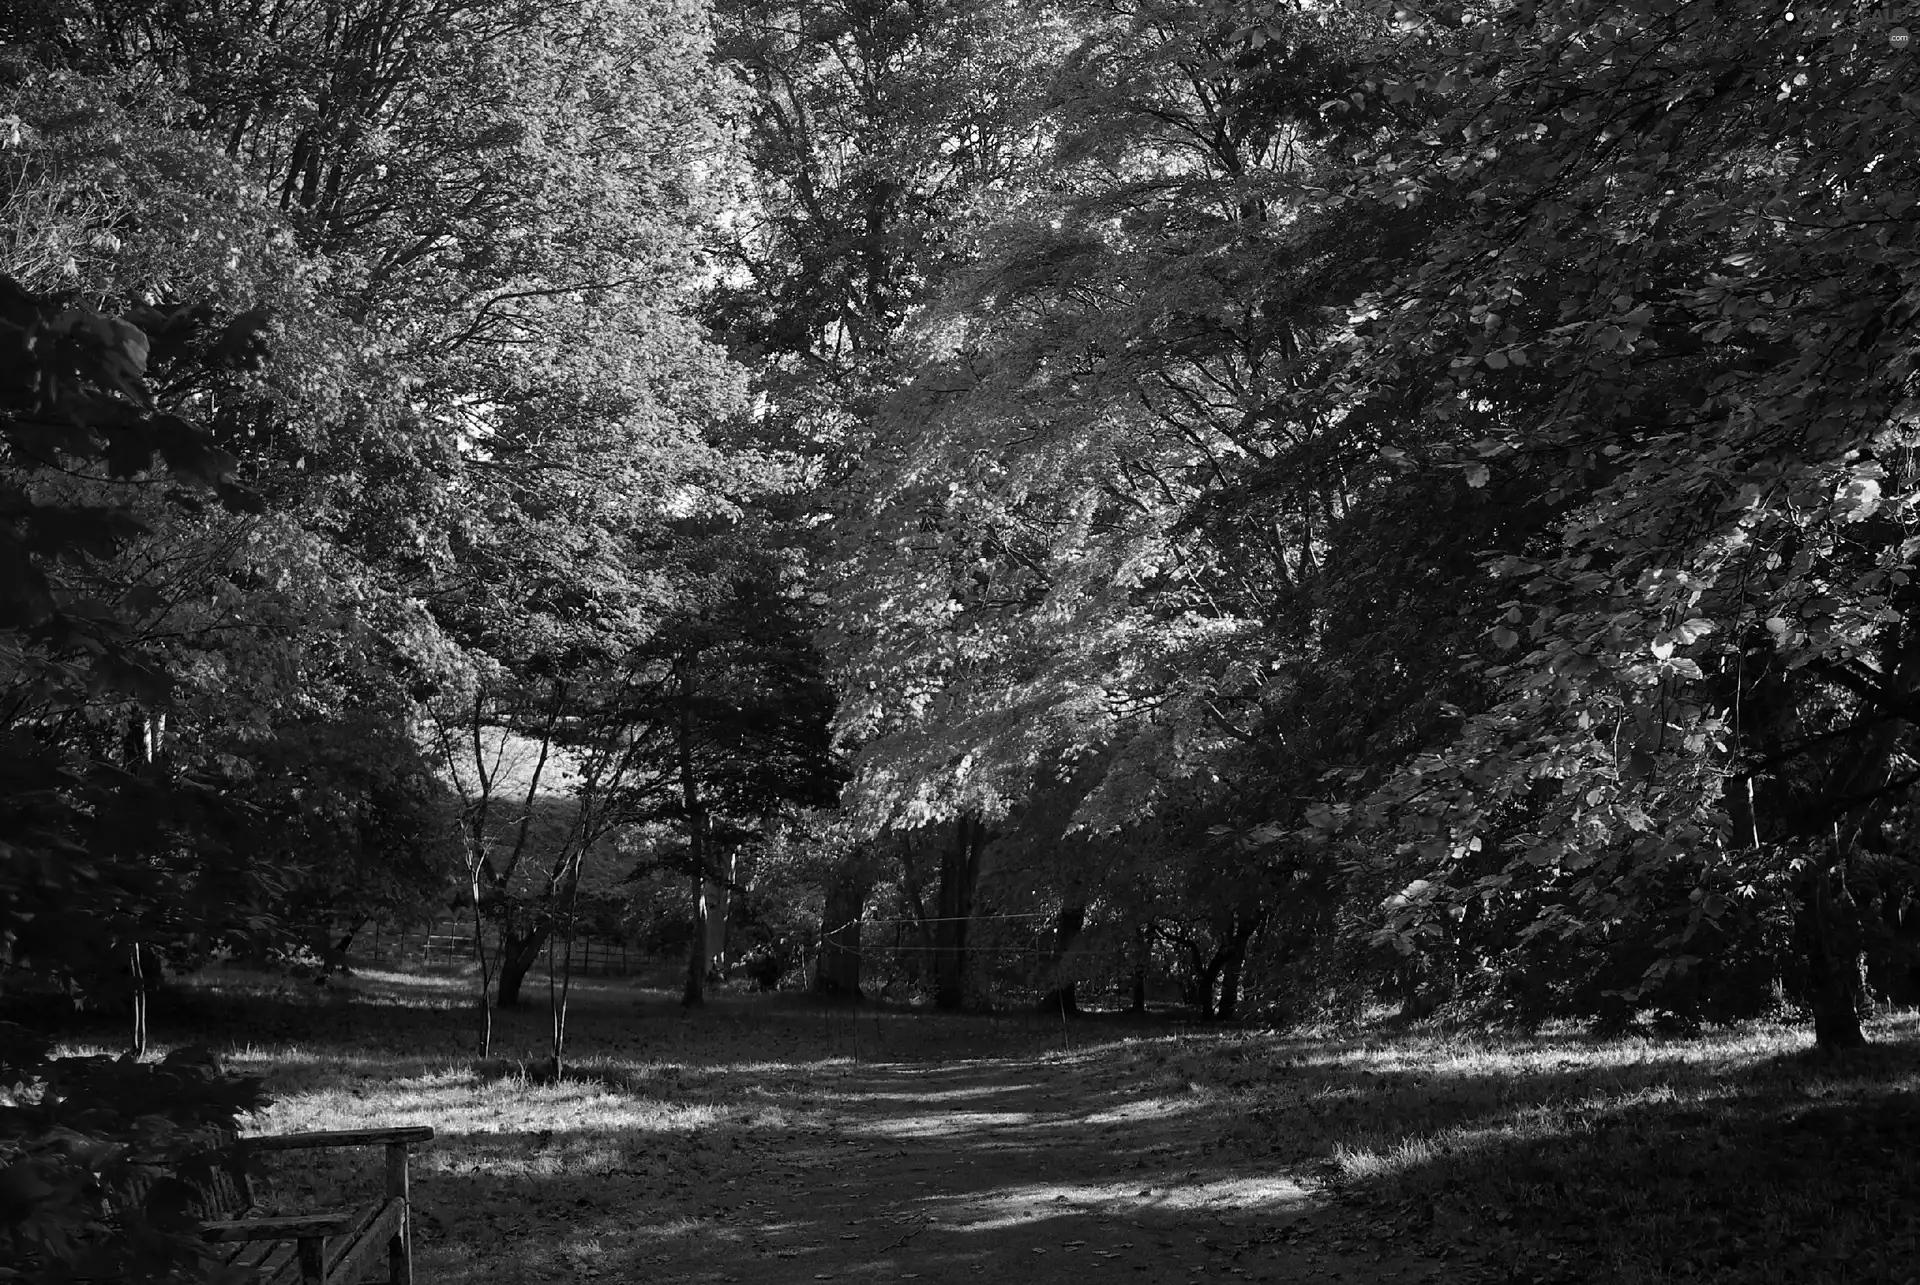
<point x="106" y="866"/>
<point x="1421" y="495"/>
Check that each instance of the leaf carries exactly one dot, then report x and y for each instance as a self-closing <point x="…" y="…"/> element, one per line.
<point x="1859" y="500"/>
<point x="1476" y="475"/>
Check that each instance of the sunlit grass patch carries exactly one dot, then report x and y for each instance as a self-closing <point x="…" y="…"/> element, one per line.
<point x="1358" y="1162"/>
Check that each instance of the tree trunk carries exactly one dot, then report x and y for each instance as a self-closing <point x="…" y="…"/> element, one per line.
<point x="837" y="970"/>
<point x="1832" y="979"/>
<point x="519" y="952"/>
<point x="918" y="960"/>
<point x="1142" y="947"/>
<point x="557" y="997"/>
<point x="1228" y="1006"/>
<point x="693" y="807"/>
<point x="485" y="995"/>
<point x="695" y="993"/>
<point x="1197" y="988"/>
<point x="717" y="900"/>
<point x="959" y="876"/>
<point x="1229" y="960"/>
<point x="1063" y="997"/>
<point x="138" y="968"/>
<point x="333" y="951"/>
<point x="1200" y="990"/>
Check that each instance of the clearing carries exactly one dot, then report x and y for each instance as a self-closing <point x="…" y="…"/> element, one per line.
<point x="768" y="1139"/>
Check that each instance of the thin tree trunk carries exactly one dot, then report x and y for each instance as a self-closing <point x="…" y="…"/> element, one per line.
<point x="696" y="989"/>
<point x="695" y="811"/>
<point x="560" y="1009"/>
<point x="1229" y="1006"/>
<point x="1142" y="955"/>
<point x="557" y="1001"/>
<point x="719" y="904"/>
<point x="138" y="969"/>
<point x="485" y="997"/>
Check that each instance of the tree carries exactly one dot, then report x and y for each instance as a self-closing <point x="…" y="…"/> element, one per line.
<point x="1096" y="529"/>
<point x="877" y="133"/>
<point x="89" y="839"/>
<point x="728" y="700"/>
<point x="350" y="816"/>
<point x="1662" y="304"/>
<point x="109" y="853"/>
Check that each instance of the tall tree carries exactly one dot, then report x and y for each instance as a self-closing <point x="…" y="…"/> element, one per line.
<point x="1098" y="529"/>
<point x="878" y="134"/>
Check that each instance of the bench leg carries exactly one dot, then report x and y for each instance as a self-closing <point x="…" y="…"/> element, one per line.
<point x="312" y="1253"/>
<point x="400" y="1251"/>
<point x="400" y="1248"/>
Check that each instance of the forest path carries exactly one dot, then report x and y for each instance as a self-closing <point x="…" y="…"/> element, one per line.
<point x="1040" y="1169"/>
<point x="774" y="1141"/>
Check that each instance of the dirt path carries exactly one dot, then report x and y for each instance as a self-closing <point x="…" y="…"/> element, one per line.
<point x="1041" y="1169"/>
<point x="768" y="1143"/>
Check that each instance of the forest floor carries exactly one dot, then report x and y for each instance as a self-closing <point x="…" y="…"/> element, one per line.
<point x="768" y="1139"/>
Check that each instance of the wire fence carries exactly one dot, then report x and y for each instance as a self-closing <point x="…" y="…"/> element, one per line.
<point x="450" y="943"/>
<point x="1008" y="957"/>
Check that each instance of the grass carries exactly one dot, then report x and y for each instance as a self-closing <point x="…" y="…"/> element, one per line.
<point x="1740" y="1155"/>
<point x="1733" y="1156"/>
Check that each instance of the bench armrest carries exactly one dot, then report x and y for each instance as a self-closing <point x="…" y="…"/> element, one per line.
<point x="341" y="1138"/>
<point x="293" y="1227"/>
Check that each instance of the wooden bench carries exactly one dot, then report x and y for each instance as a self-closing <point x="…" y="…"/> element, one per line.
<point x="337" y="1247"/>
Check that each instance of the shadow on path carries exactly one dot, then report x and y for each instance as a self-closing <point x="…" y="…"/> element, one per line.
<point x="1020" y="1168"/>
